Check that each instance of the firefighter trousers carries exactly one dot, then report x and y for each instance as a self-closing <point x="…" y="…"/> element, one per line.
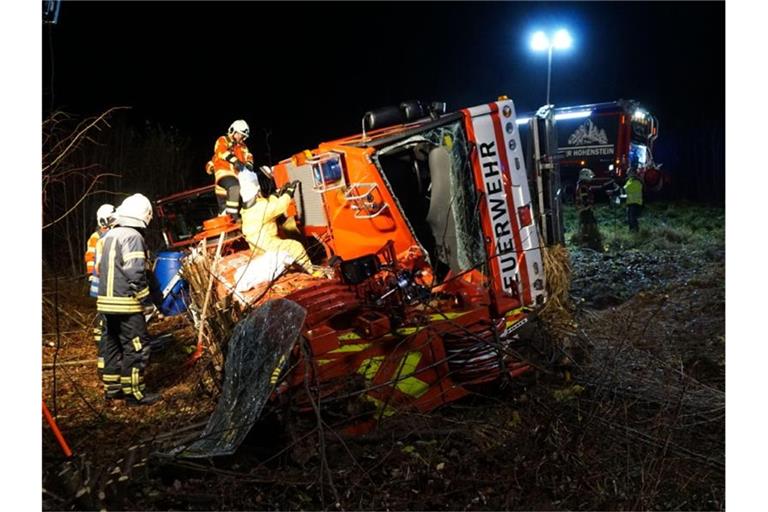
<point x="98" y="332"/>
<point x="125" y="350"/>
<point x="229" y="198"/>
<point x="633" y="213"/>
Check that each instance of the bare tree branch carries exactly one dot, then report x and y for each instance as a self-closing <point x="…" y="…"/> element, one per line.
<point x="93" y="183"/>
<point x="77" y="136"/>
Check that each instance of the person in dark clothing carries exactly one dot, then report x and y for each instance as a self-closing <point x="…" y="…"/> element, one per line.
<point x="124" y="298"/>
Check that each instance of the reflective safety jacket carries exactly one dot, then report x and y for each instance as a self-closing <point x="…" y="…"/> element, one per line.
<point x="92" y="259"/>
<point x="123" y="285"/>
<point x="226" y="153"/>
<point x="90" y="252"/>
<point x="634" y="190"/>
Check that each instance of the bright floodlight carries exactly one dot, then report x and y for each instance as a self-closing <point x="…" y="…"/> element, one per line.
<point x="539" y="41"/>
<point x="562" y="39"/>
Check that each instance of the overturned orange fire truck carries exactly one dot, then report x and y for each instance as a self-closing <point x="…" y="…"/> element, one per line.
<point x="428" y="245"/>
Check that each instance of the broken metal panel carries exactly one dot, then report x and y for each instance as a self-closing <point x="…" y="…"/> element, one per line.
<point x="258" y="347"/>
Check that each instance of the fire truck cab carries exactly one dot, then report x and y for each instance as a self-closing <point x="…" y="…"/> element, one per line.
<point x="608" y="138"/>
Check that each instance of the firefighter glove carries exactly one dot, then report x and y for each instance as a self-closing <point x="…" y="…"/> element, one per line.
<point x="290" y="188"/>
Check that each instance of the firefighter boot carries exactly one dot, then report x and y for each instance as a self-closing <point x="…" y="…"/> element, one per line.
<point x="146" y="399"/>
<point x="113" y="394"/>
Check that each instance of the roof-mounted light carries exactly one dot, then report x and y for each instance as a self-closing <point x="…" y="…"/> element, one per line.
<point x="573" y="115"/>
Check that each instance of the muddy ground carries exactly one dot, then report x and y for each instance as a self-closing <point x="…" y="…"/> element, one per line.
<point x="637" y="422"/>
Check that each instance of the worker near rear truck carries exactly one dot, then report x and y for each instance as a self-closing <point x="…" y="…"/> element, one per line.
<point x="259" y="217"/>
<point x="633" y="189"/>
<point x="105" y="217"/>
<point x="124" y="298"/>
<point x="230" y="157"/>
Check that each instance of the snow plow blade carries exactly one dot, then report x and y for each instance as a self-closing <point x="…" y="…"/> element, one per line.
<point x="259" y="344"/>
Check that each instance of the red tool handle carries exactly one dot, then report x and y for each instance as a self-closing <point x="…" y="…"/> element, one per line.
<point x="56" y="431"/>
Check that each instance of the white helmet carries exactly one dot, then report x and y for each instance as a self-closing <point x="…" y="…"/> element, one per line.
<point x="249" y="185"/>
<point x="105" y="215"/>
<point x="240" y="126"/>
<point x="586" y="174"/>
<point x="135" y="211"/>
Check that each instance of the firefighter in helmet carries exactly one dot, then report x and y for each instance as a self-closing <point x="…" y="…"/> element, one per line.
<point x="230" y="157"/>
<point x="123" y="299"/>
<point x="105" y="217"/>
<point x="259" y="217"/>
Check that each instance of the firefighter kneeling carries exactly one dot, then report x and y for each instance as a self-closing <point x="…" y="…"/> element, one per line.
<point x="123" y="299"/>
<point x="259" y="217"/>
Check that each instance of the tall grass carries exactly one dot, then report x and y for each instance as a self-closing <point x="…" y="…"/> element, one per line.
<point x="663" y="226"/>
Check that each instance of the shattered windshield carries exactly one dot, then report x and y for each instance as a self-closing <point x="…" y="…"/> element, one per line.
<point x="431" y="176"/>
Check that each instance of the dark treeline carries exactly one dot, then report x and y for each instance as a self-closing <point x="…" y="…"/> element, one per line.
<point x="110" y="161"/>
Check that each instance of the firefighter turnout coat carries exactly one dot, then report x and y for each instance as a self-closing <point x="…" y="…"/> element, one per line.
<point x="226" y="153"/>
<point x="123" y="286"/>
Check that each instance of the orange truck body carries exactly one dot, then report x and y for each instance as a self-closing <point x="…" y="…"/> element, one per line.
<point x="437" y="316"/>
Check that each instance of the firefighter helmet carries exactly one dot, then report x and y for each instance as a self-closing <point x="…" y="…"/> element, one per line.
<point x="135" y="211"/>
<point x="249" y="185"/>
<point x="105" y="215"/>
<point x="586" y="174"/>
<point x="240" y="126"/>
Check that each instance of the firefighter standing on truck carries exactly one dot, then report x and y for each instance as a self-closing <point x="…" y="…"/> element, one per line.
<point x="259" y="215"/>
<point x="123" y="299"/>
<point x="105" y="216"/>
<point x="230" y="157"/>
<point x="633" y="188"/>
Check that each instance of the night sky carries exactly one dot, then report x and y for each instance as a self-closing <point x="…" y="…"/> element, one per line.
<point x="308" y="72"/>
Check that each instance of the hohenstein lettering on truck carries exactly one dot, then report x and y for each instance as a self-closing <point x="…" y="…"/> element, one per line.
<point x="496" y="200"/>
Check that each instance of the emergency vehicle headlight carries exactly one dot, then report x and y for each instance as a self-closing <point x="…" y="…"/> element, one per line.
<point x="638" y="115"/>
<point x="610" y="167"/>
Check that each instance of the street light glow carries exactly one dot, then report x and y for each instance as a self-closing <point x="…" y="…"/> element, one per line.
<point x="539" y="41"/>
<point x="562" y="39"/>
